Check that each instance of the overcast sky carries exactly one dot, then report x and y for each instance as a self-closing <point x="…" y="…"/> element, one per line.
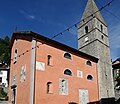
<point x="49" y="17"/>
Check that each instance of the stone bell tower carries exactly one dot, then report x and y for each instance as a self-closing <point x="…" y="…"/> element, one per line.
<point x="93" y="40"/>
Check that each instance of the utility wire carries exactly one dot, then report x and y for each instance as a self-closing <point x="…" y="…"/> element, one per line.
<point x="109" y="11"/>
<point x="68" y="29"/>
<point x="75" y="25"/>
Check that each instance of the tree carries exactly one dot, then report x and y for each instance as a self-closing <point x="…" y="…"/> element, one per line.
<point x="7" y="39"/>
<point x="4" y="50"/>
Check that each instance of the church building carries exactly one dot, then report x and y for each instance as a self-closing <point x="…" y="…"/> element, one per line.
<point x="44" y="71"/>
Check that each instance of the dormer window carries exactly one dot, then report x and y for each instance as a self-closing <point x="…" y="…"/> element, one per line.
<point x="86" y="29"/>
<point x="68" y="55"/>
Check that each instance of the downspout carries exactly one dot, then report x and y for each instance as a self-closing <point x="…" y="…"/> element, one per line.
<point x="35" y="71"/>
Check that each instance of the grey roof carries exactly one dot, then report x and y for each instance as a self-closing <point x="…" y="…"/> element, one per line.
<point x="91" y="8"/>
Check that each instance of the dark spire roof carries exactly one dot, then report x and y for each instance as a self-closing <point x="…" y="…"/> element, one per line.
<point x="90" y="9"/>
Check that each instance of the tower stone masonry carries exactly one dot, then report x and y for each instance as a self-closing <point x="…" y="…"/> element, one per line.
<point x="93" y="40"/>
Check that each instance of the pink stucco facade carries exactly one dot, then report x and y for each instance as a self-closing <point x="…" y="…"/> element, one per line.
<point x="23" y="88"/>
<point x="50" y="73"/>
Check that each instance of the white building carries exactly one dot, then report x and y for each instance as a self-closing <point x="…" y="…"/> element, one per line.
<point x="4" y="73"/>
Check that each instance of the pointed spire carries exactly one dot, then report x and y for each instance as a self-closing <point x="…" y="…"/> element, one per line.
<point x="90" y="9"/>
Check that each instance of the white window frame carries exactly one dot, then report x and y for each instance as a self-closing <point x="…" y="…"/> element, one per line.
<point x="67" y="58"/>
<point x="79" y="71"/>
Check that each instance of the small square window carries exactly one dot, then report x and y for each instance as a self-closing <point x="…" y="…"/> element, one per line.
<point x="79" y="74"/>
